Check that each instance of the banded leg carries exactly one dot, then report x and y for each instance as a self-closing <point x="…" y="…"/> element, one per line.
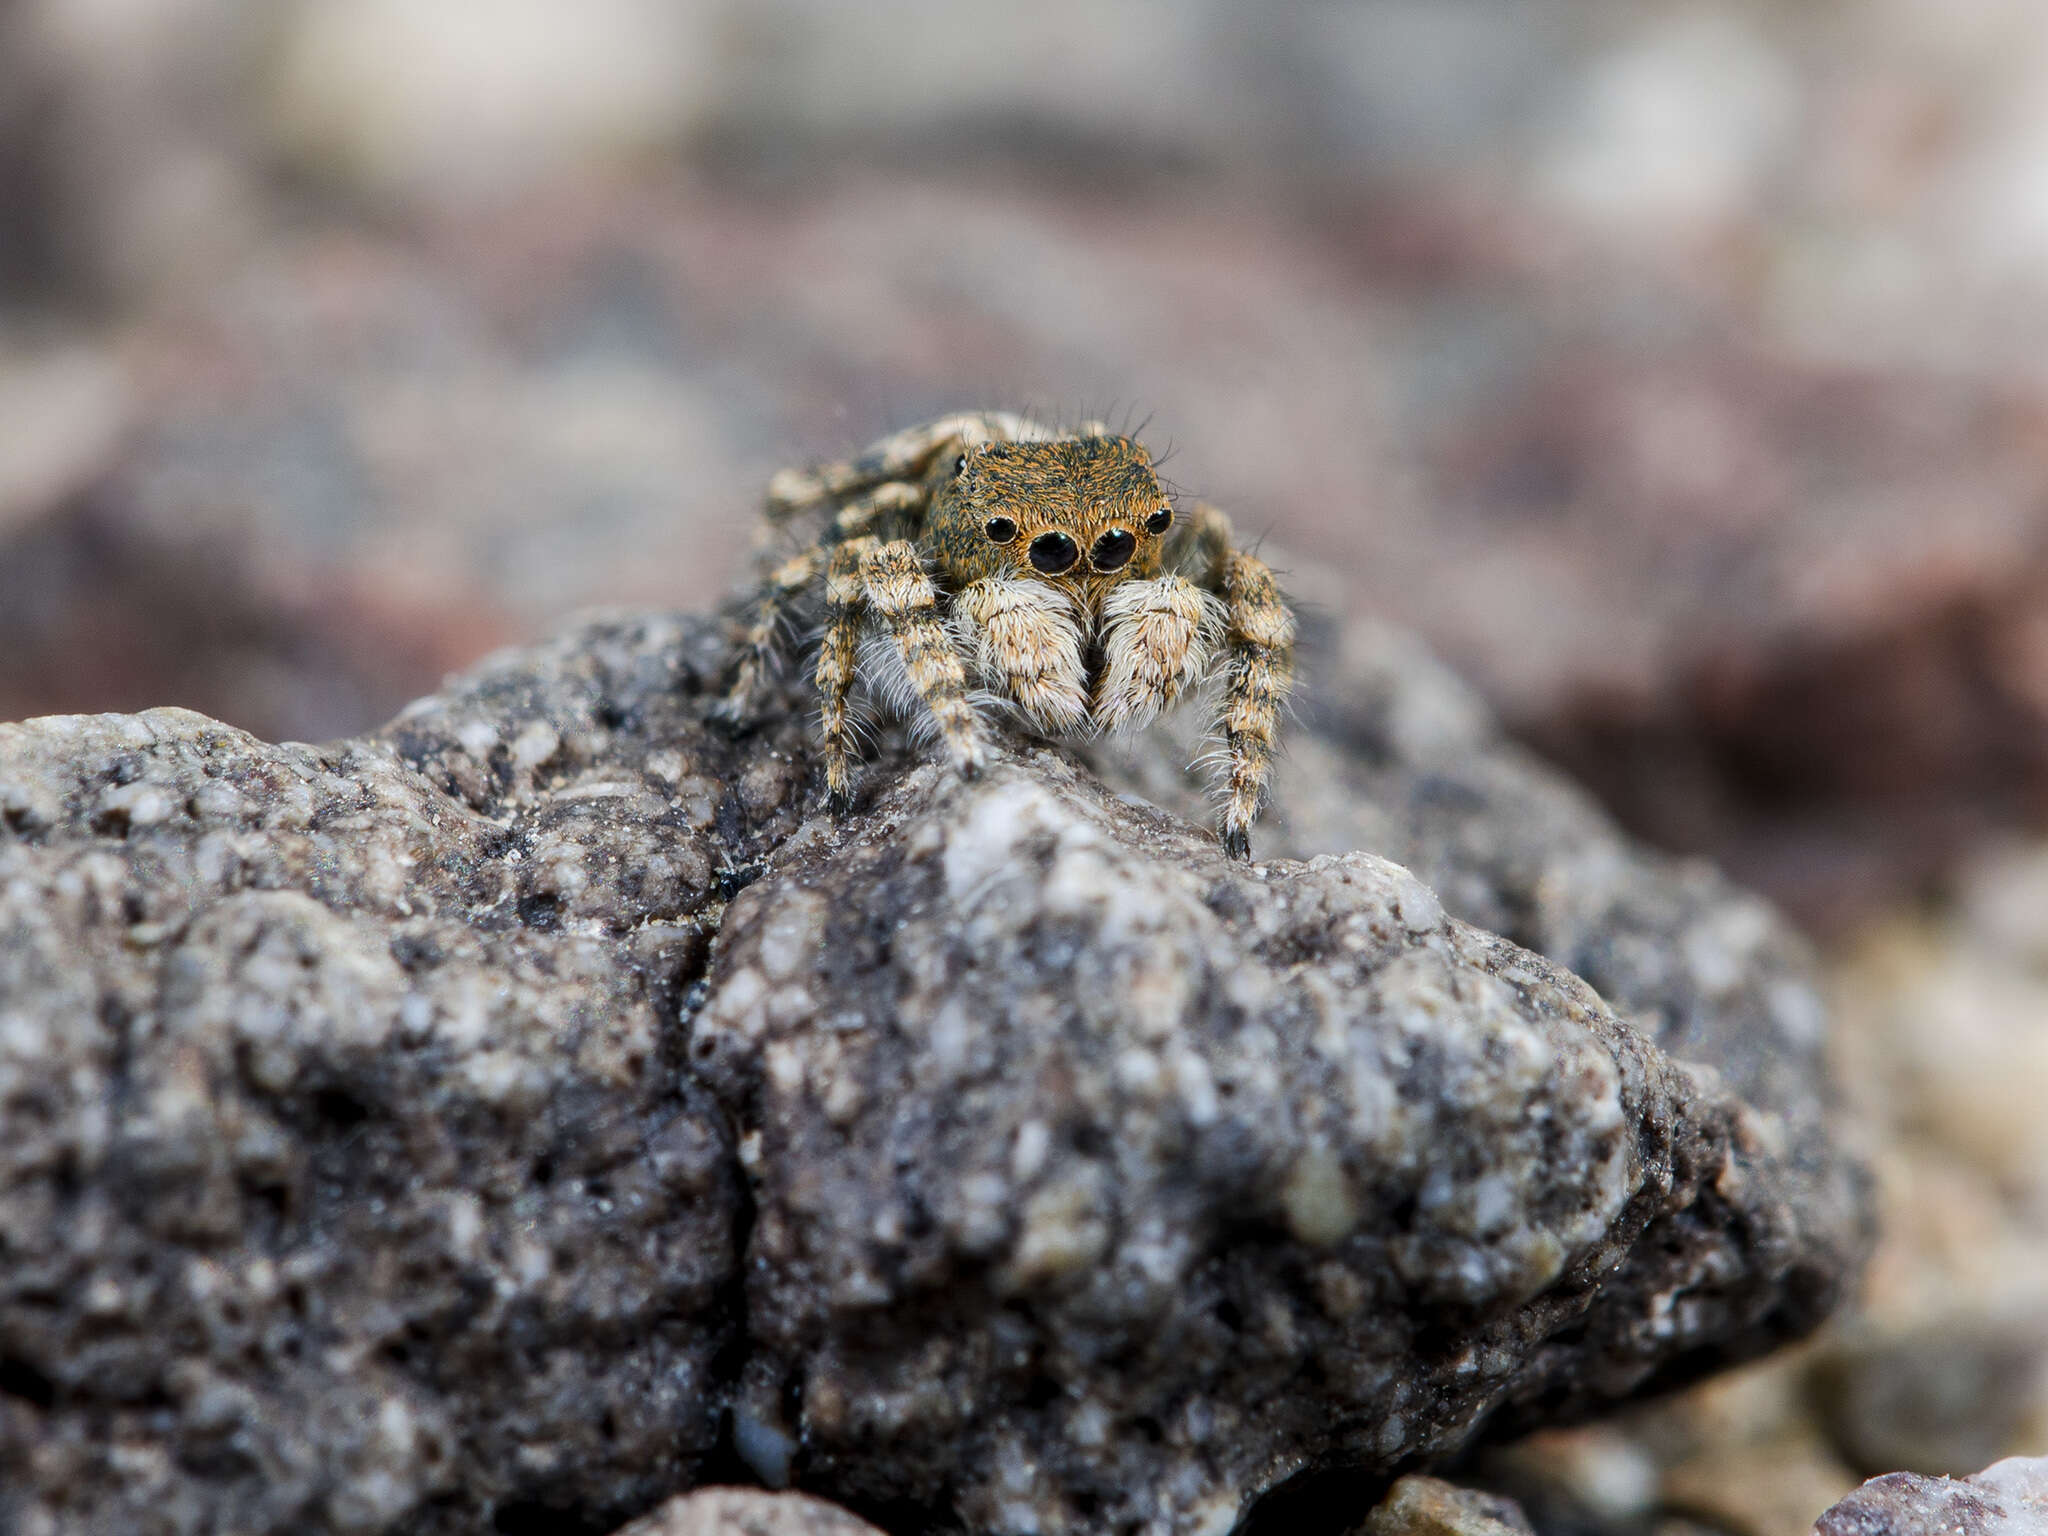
<point x="894" y="582"/>
<point x="790" y="579"/>
<point x="838" y="657"/>
<point x="865" y="514"/>
<point x="764" y="629"/>
<point x="904" y="456"/>
<point x="1259" y="641"/>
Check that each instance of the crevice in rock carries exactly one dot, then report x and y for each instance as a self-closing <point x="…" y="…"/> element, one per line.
<point x="1316" y="1503"/>
<point x="19" y="1378"/>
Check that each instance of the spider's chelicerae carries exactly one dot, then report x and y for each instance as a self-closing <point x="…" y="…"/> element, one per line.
<point x="985" y="559"/>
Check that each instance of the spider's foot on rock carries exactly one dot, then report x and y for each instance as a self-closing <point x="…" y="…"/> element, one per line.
<point x="1237" y="842"/>
<point x="969" y="756"/>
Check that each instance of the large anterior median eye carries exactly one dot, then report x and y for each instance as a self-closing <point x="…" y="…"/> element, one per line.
<point x="1054" y="552"/>
<point x="1112" y="550"/>
<point x="1000" y="530"/>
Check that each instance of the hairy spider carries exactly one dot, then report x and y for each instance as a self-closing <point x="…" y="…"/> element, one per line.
<point x="986" y="558"/>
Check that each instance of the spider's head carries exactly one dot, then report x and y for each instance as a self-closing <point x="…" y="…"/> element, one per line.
<point x="1085" y="512"/>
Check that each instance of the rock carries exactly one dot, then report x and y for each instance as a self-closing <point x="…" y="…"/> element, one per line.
<point x="1428" y="1506"/>
<point x="67" y="407"/>
<point x="1768" y="1487"/>
<point x="747" y="1512"/>
<point x="1741" y="1453"/>
<point x="1598" y="1477"/>
<point x="1941" y="1398"/>
<point x="2009" y="1498"/>
<point x="1940" y="1369"/>
<point x="126" y="146"/>
<point x="95" y="607"/>
<point x="1771" y="652"/>
<point x="349" y="1179"/>
<point x="539" y="1107"/>
<point x="1948" y="1021"/>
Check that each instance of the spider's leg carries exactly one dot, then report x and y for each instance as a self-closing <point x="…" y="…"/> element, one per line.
<point x="893" y="580"/>
<point x="890" y="500"/>
<point x="1158" y="638"/>
<point x="838" y="658"/>
<point x="1027" y="647"/>
<point x="1259" y="642"/>
<point x="771" y="608"/>
<point x="866" y="513"/>
<point x="903" y="456"/>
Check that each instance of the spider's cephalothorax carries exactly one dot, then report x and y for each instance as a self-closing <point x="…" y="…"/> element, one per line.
<point x="987" y="555"/>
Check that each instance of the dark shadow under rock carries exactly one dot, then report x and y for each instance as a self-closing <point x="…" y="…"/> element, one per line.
<point x="517" y="1115"/>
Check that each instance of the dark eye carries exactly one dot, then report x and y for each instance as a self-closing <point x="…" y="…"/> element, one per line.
<point x="1054" y="552"/>
<point x="960" y="465"/>
<point x="1159" y="521"/>
<point x="1112" y="550"/>
<point x="1000" y="529"/>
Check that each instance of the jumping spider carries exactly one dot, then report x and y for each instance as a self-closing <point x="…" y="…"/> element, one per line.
<point x="985" y="558"/>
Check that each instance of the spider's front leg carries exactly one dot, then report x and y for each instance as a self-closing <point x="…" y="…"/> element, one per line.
<point x="1158" y="637"/>
<point x="893" y="580"/>
<point x="1259" y="642"/>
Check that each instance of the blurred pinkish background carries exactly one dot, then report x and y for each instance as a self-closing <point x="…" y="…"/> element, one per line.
<point x="1681" y="371"/>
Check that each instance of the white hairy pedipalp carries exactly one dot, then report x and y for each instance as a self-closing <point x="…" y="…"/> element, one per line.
<point x="1158" y="639"/>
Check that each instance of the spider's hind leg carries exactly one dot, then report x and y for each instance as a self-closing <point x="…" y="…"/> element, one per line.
<point x="904" y="455"/>
<point x="838" y="658"/>
<point x="884" y="506"/>
<point x="770" y="613"/>
<point x="1259" y="645"/>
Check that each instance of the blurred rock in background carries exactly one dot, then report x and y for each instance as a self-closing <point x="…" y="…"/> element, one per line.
<point x="1678" y="369"/>
<point x="1675" y="368"/>
<point x="1941" y="1046"/>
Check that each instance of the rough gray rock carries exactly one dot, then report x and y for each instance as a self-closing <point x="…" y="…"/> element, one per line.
<point x="747" y="1512"/>
<point x="540" y="1106"/>
<point x="2008" y="1498"/>
<point x="1428" y="1506"/>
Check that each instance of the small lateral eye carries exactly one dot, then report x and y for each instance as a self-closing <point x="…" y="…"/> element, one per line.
<point x="1159" y="521"/>
<point x="960" y="465"/>
<point x="1000" y="530"/>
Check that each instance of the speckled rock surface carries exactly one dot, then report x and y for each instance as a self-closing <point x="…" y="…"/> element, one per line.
<point x="537" y="1107"/>
<point x="1429" y="1506"/>
<point x="748" y="1512"/>
<point x="2009" y="1498"/>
